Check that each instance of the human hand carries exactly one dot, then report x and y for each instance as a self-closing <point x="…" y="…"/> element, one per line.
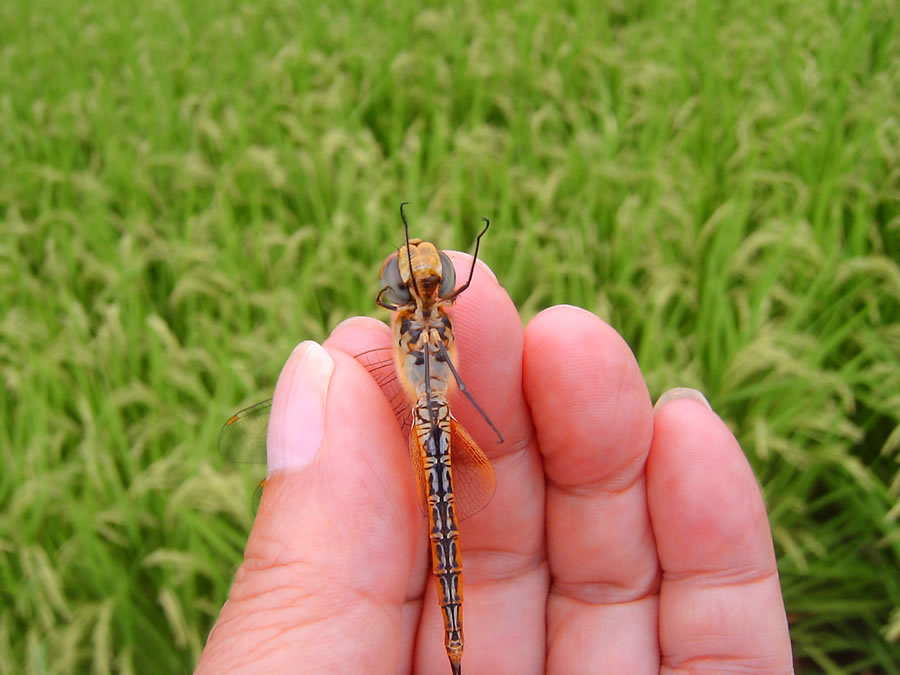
<point x="620" y="539"/>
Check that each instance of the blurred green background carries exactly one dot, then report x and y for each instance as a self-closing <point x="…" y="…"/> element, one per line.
<point x="188" y="189"/>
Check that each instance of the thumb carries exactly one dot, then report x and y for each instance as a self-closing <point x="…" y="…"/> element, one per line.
<point x="332" y="553"/>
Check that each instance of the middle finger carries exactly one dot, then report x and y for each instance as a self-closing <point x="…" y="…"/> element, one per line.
<point x="594" y="425"/>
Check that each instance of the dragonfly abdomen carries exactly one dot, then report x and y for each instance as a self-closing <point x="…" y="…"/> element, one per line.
<point x="444" y="530"/>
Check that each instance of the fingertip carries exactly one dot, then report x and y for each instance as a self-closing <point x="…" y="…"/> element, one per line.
<point x="489" y="340"/>
<point x="565" y="310"/>
<point x="705" y="502"/>
<point x="358" y="325"/>
<point x="575" y="328"/>
<point x="462" y="261"/>
<point x="587" y="396"/>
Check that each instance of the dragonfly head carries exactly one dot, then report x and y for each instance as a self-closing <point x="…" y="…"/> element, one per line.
<point x="422" y="271"/>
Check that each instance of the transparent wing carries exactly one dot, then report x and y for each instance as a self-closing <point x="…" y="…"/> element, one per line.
<point x="474" y="480"/>
<point x="243" y="439"/>
<point x="380" y="364"/>
<point x="243" y="436"/>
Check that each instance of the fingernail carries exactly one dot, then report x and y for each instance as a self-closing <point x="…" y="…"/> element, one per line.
<point x="297" y="421"/>
<point x="681" y="392"/>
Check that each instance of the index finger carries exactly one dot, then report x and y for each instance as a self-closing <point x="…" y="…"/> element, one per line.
<point x="502" y="546"/>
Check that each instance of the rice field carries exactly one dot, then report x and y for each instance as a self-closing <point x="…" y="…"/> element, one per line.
<point x="189" y="189"/>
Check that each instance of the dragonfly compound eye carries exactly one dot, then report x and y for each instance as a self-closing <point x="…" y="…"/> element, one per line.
<point x="448" y="276"/>
<point x="395" y="291"/>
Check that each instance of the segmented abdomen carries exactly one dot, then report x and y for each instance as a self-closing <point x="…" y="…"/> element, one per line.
<point x="433" y="430"/>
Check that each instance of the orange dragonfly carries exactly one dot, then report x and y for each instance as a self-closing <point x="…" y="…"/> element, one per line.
<point x="454" y="477"/>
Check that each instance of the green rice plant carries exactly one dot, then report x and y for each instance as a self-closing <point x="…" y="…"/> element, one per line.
<point x="190" y="189"/>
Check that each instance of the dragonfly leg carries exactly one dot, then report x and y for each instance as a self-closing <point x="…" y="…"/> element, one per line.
<point x="465" y="391"/>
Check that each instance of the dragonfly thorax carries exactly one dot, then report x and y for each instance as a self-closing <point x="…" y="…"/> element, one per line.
<point x="419" y="331"/>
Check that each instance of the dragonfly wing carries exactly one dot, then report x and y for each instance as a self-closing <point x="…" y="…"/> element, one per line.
<point x="416" y="452"/>
<point x="474" y="481"/>
<point x="380" y="364"/>
<point x="243" y="436"/>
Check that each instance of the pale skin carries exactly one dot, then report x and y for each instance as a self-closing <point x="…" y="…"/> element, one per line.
<point x="621" y="539"/>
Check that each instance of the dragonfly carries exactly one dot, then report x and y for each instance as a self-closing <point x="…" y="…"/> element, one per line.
<point x="454" y="478"/>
